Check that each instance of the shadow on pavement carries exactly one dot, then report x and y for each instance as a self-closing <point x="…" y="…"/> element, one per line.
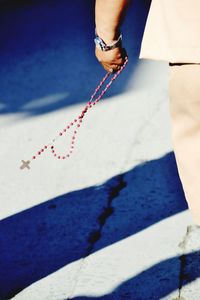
<point x="154" y="283"/>
<point x="47" y="53"/>
<point x="40" y="240"/>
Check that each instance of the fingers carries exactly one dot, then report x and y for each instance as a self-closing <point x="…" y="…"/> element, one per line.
<point x="111" y="68"/>
<point x="111" y="60"/>
<point x="114" y="68"/>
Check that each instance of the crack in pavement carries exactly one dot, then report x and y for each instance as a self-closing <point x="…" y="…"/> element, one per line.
<point x="182" y="274"/>
<point x="94" y="236"/>
<point x="113" y="193"/>
<point x="189" y="263"/>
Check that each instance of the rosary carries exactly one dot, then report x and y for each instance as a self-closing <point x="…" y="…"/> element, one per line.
<point x="76" y="122"/>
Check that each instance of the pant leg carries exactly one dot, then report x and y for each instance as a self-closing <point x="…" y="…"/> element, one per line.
<point x="184" y="105"/>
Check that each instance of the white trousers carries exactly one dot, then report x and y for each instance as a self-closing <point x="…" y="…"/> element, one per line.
<point x="184" y="105"/>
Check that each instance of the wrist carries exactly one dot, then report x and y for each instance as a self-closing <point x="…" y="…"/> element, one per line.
<point x="109" y="36"/>
<point x="101" y="44"/>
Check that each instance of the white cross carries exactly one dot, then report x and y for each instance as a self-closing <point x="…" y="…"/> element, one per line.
<point x="25" y="164"/>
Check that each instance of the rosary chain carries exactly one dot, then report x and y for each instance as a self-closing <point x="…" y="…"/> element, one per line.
<point x="77" y="121"/>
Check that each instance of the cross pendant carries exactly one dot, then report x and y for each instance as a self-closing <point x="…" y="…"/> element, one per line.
<point x="25" y="164"/>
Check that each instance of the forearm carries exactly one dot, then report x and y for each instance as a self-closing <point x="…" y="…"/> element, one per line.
<point x="108" y="17"/>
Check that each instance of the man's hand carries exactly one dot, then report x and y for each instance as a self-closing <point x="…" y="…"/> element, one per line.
<point x="111" y="60"/>
<point x="109" y="15"/>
